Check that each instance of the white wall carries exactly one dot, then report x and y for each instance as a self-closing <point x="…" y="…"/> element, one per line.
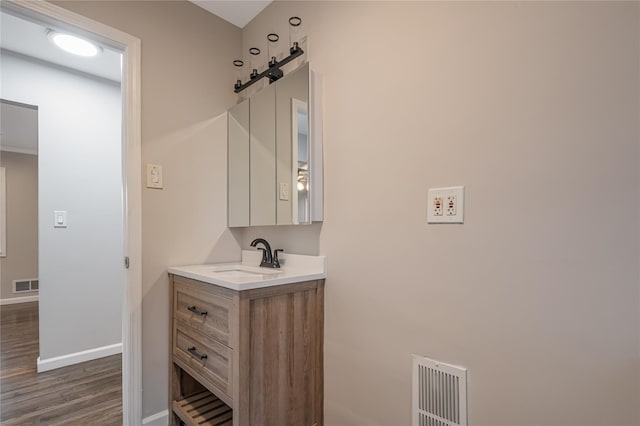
<point x="81" y="266"/>
<point x="534" y="107"/>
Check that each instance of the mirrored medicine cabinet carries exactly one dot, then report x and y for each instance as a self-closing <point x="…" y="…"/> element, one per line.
<point x="275" y="154"/>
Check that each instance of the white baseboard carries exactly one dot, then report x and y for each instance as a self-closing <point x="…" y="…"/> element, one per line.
<point x="23" y="299"/>
<point x="158" y="419"/>
<point x="78" y="357"/>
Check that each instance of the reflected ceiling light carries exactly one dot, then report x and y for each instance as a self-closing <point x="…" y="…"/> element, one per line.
<point x="72" y="44"/>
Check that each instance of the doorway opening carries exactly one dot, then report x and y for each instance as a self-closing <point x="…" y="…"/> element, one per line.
<point x="72" y="160"/>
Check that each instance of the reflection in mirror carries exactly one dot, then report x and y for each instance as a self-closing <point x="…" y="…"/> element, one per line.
<point x="275" y="155"/>
<point x="292" y="97"/>
<point x="300" y="147"/>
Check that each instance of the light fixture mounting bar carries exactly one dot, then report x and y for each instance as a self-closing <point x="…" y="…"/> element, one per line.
<point x="273" y="72"/>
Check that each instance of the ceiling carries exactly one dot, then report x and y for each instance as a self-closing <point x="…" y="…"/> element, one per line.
<point x="238" y="12"/>
<point x="30" y="39"/>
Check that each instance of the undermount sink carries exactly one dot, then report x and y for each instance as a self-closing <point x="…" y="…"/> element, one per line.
<point x="242" y="271"/>
<point x="247" y="275"/>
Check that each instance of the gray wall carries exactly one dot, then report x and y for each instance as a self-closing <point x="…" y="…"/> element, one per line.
<point x="533" y="106"/>
<point x="79" y="171"/>
<point x="22" y="221"/>
<point x="187" y="78"/>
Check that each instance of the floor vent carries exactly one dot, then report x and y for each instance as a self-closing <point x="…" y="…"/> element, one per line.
<point x="439" y="393"/>
<point x="26" y="285"/>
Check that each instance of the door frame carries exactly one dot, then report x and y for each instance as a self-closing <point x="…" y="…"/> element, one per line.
<point x="46" y="13"/>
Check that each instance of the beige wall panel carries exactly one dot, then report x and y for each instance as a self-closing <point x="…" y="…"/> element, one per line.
<point x="22" y="221"/>
<point x="533" y="106"/>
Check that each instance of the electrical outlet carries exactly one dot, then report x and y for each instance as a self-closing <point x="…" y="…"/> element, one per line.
<point x="445" y="205"/>
<point x="452" y="205"/>
<point x="437" y="206"/>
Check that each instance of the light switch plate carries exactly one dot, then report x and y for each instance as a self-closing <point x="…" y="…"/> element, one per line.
<point x="60" y="219"/>
<point x="445" y="205"/>
<point x="154" y="176"/>
<point x="284" y="191"/>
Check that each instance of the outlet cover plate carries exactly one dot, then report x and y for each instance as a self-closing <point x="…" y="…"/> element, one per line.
<point x="455" y="193"/>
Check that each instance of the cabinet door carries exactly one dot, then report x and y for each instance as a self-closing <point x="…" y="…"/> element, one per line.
<point x="292" y="130"/>
<point x="238" y="165"/>
<point x="263" y="157"/>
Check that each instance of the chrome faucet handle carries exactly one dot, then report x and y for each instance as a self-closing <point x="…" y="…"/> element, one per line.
<point x="276" y="261"/>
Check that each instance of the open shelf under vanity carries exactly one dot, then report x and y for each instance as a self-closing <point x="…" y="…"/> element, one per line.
<point x="203" y="409"/>
<point x="247" y="357"/>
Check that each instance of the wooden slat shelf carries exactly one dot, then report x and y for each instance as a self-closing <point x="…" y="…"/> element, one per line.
<point x="203" y="409"/>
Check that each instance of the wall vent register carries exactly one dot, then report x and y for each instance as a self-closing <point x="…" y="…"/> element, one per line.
<point x="439" y="395"/>
<point x="25" y="285"/>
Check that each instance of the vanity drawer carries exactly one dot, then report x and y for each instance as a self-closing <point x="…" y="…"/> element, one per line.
<point x="199" y="306"/>
<point x="204" y="357"/>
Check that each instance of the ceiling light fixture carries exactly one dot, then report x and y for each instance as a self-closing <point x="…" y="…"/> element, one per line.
<point x="72" y="44"/>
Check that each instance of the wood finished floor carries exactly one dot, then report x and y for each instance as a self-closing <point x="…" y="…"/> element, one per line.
<point x="84" y="394"/>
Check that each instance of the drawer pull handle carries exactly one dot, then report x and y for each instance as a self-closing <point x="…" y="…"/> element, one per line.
<point x="192" y="351"/>
<point x="196" y="311"/>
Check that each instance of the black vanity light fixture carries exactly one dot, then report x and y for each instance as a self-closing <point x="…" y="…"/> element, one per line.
<point x="273" y="71"/>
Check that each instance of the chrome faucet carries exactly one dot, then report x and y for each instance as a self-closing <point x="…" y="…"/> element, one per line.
<point x="269" y="260"/>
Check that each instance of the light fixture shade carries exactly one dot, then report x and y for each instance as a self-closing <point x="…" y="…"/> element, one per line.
<point x="72" y="44"/>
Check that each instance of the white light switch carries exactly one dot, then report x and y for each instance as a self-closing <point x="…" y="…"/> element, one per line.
<point x="284" y="191"/>
<point x="154" y="176"/>
<point x="445" y="205"/>
<point x="60" y="219"/>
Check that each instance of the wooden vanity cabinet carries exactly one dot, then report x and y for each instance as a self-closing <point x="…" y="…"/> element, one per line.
<point x="250" y="357"/>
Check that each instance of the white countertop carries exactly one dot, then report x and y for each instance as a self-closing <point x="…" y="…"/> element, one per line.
<point x="247" y="274"/>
